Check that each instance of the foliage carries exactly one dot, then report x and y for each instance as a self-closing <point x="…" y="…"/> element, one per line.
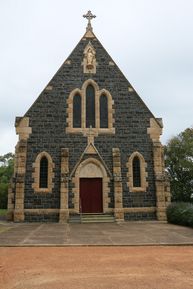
<point x="6" y="172"/>
<point x="3" y="212"/>
<point x="179" y="164"/>
<point x="180" y="213"/>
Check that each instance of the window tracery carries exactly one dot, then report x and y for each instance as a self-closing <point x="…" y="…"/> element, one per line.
<point x="90" y="107"/>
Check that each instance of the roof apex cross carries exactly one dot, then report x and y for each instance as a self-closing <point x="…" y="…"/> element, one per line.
<point x="89" y="16"/>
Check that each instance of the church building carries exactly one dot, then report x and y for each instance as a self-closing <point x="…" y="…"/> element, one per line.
<point x="89" y="148"/>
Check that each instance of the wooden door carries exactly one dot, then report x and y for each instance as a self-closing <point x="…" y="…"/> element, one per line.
<point x="91" y="195"/>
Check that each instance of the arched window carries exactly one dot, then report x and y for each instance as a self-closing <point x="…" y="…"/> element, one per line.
<point x="90" y="106"/>
<point x="136" y="172"/>
<point x="77" y="111"/>
<point x="43" y="180"/>
<point x="103" y="111"/>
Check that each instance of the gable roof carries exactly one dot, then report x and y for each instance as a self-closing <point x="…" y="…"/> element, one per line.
<point x="89" y="36"/>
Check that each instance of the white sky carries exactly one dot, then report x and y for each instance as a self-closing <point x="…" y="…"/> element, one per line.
<point x="150" y="40"/>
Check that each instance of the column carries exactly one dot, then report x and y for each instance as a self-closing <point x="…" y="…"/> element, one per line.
<point x="21" y="153"/>
<point x="118" y="190"/>
<point x="159" y="181"/>
<point x="64" y="211"/>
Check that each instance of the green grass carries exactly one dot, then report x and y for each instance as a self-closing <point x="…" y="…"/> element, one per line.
<point x="3" y="212"/>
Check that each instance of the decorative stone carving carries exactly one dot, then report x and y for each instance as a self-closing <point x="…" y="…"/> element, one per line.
<point x="91" y="170"/>
<point x="89" y="61"/>
<point x="90" y="58"/>
<point x="90" y="134"/>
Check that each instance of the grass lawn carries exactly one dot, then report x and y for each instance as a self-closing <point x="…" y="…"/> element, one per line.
<point x="3" y="212"/>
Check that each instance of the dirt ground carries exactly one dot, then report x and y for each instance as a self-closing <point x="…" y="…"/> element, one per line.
<point x="96" y="268"/>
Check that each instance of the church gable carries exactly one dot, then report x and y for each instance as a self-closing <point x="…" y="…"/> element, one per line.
<point x="89" y="129"/>
<point x="89" y="60"/>
<point x="66" y="92"/>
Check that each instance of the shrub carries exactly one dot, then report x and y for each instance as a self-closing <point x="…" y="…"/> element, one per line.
<point x="3" y="195"/>
<point x="180" y="214"/>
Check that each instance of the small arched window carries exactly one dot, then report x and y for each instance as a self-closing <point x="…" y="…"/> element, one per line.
<point x="136" y="172"/>
<point x="77" y="111"/>
<point x="90" y="106"/>
<point x="43" y="179"/>
<point x="103" y="111"/>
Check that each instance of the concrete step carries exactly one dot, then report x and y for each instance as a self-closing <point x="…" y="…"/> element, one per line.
<point x="97" y="218"/>
<point x="74" y="219"/>
<point x="97" y="221"/>
<point x="92" y="218"/>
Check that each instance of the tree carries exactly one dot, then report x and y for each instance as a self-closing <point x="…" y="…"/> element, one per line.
<point x="179" y="164"/>
<point x="6" y="172"/>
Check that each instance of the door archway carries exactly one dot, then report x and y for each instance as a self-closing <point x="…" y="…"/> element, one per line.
<point x="94" y="171"/>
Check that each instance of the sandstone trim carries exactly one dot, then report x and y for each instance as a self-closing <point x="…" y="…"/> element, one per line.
<point x="20" y="156"/>
<point x="163" y="197"/>
<point x="36" y="174"/>
<point x="118" y="189"/>
<point x="140" y="210"/>
<point x="143" y="166"/>
<point x="64" y="179"/>
<point x="18" y="185"/>
<point x="90" y="168"/>
<point x="41" y="211"/>
<point x="155" y="130"/>
<point x="98" y="93"/>
<point x="22" y="127"/>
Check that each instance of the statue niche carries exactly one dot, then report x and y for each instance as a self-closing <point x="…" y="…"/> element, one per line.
<point x="90" y="58"/>
<point x="89" y="61"/>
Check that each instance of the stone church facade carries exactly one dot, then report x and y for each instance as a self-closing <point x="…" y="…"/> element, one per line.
<point x="88" y="145"/>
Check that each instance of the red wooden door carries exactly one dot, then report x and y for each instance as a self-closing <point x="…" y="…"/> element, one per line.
<point x="91" y="195"/>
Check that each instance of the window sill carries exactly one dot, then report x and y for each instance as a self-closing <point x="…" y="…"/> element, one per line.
<point x="95" y="130"/>
<point x="43" y="191"/>
<point x="138" y="190"/>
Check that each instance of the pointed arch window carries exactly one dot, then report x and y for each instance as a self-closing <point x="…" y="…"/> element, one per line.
<point x="90" y="106"/>
<point x="43" y="173"/>
<point x="77" y="111"/>
<point x="103" y="111"/>
<point x="136" y="172"/>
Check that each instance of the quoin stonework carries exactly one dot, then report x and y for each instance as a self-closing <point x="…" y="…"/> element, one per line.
<point x="88" y="145"/>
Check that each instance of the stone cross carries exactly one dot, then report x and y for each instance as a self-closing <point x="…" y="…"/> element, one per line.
<point x="90" y="134"/>
<point x="89" y="16"/>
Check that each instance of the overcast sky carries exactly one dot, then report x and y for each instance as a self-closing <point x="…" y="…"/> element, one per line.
<point x="150" y="40"/>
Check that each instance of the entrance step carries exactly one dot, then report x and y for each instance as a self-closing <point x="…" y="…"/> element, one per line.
<point x="97" y="218"/>
<point x="92" y="218"/>
<point x="74" y="219"/>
